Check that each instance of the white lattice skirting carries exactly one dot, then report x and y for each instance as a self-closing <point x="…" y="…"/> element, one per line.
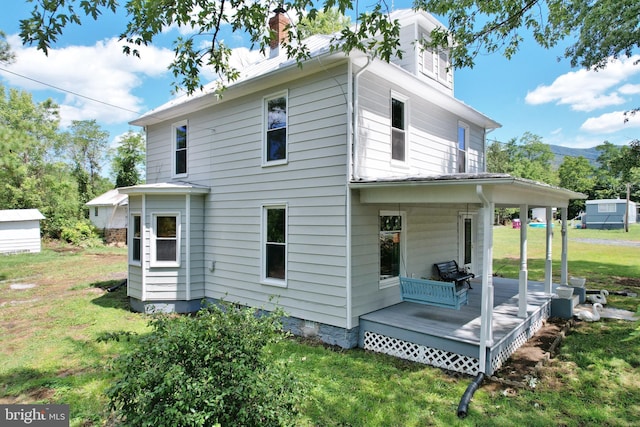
<point x="445" y="359"/>
<point x="419" y="353"/>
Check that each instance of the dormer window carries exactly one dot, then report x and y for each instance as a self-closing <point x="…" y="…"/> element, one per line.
<point x="463" y="144"/>
<point x="436" y="64"/>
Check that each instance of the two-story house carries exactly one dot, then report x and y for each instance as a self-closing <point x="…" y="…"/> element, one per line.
<point x="316" y="188"/>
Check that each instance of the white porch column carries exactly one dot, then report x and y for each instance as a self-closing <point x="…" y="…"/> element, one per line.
<point x="524" y="273"/>
<point x="486" y="302"/>
<point x="564" y="273"/>
<point x="548" y="263"/>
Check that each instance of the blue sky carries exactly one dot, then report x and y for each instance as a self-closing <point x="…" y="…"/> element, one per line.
<point x="532" y="92"/>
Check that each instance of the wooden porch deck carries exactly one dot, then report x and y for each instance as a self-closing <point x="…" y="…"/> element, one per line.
<point x="449" y="338"/>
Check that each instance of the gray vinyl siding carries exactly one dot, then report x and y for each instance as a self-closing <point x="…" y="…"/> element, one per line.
<point x="197" y="252"/>
<point x="225" y="154"/>
<point x="431" y="135"/>
<point x="431" y="234"/>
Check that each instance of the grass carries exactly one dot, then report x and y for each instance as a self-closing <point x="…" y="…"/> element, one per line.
<point x="50" y="348"/>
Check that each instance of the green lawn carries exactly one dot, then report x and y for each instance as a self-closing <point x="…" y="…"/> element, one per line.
<point x="50" y="349"/>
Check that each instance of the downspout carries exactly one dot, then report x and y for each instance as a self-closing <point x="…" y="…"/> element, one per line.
<point x="352" y="173"/>
<point x="188" y="244"/>
<point x="143" y="244"/>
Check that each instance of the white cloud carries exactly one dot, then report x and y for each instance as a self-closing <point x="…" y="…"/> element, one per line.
<point x="610" y="122"/>
<point x="100" y="72"/>
<point x="588" y="90"/>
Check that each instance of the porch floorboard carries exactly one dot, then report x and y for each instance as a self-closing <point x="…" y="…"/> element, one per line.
<point x="458" y="331"/>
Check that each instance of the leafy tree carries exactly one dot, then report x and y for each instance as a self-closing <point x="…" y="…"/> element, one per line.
<point x="325" y="22"/>
<point x="128" y="160"/>
<point x="609" y="183"/>
<point x="599" y="29"/>
<point x="86" y="144"/>
<point x="577" y="174"/>
<point x="528" y="158"/>
<point x="6" y="55"/>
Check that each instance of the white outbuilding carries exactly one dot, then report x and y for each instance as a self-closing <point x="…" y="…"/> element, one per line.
<point x="20" y="230"/>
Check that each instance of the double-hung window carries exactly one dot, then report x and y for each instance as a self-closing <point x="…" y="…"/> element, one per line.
<point x="165" y="245"/>
<point x="135" y="239"/>
<point x="398" y="129"/>
<point x="275" y="133"/>
<point x="436" y="64"/>
<point x="274" y="265"/>
<point x="391" y="241"/>
<point x="463" y="144"/>
<point x="180" y="145"/>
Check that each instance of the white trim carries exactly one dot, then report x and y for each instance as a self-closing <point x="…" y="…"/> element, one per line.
<point x="281" y="283"/>
<point x="467" y="131"/>
<point x="188" y="247"/>
<point x="145" y="238"/>
<point x="265" y="117"/>
<point x="174" y="149"/>
<point x="405" y="102"/>
<point x="394" y="281"/>
<point x="153" y="262"/>
<point x="462" y="215"/>
<point x="131" y="237"/>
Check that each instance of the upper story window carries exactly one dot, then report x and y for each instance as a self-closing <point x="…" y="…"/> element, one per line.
<point x="180" y="145"/>
<point x="275" y="136"/>
<point x="135" y="239"/>
<point x="463" y="144"/>
<point x="436" y="64"/>
<point x="165" y="245"/>
<point x="398" y="129"/>
<point x="275" y="245"/>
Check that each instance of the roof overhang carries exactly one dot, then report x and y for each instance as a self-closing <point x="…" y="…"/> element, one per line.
<point x="165" y="188"/>
<point x="501" y="189"/>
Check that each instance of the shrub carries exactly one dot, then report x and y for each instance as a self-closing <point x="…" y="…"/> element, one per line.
<point x="213" y="368"/>
<point x="81" y="233"/>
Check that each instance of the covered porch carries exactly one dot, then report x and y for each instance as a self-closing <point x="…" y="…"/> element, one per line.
<point x="501" y="314"/>
<point x="450" y="339"/>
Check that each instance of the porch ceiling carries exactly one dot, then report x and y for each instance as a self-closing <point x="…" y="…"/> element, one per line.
<point x="501" y="189"/>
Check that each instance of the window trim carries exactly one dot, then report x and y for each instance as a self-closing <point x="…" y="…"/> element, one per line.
<point x="462" y="125"/>
<point x="131" y="238"/>
<point x="265" y="119"/>
<point x="434" y="71"/>
<point x="405" y="101"/>
<point x="282" y="283"/>
<point x="394" y="281"/>
<point x="174" y="149"/>
<point x="609" y="207"/>
<point x="153" y="262"/>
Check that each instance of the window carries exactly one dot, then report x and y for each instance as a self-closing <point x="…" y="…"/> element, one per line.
<point x="463" y="138"/>
<point x="606" y="207"/>
<point x="398" y="130"/>
<point x="136" y="239"/>
<point x="275" y="244"/>
<point x="180" y="137"/>
<point x="436" y="64"/>
<point x="276" y="129"/>
<point x="165" y="247"/>
<point x="95" y="211"/>
<point x="391" y="242"/>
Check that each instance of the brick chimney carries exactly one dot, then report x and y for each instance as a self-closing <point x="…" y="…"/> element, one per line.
<point x="278" y="24"/>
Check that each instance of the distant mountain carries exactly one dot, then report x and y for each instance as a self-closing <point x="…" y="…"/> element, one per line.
<point x="560" y="152"/>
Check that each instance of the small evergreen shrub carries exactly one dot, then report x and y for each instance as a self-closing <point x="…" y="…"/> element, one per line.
<point x="210" y="369"/>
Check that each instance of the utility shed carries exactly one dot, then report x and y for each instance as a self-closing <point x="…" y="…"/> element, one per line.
<point x="609" y="214"/>
<point x="20" y="230"/>
<point x="108" y="212"/>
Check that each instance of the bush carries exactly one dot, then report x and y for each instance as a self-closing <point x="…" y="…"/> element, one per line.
<point x="210" y="369"/>
<point x="81" y="233"/>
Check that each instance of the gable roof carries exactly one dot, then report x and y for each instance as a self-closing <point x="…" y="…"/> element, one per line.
<point x="110" y="198"/>
<point x="14" y="215"/>
<point x="264" y="72"/>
